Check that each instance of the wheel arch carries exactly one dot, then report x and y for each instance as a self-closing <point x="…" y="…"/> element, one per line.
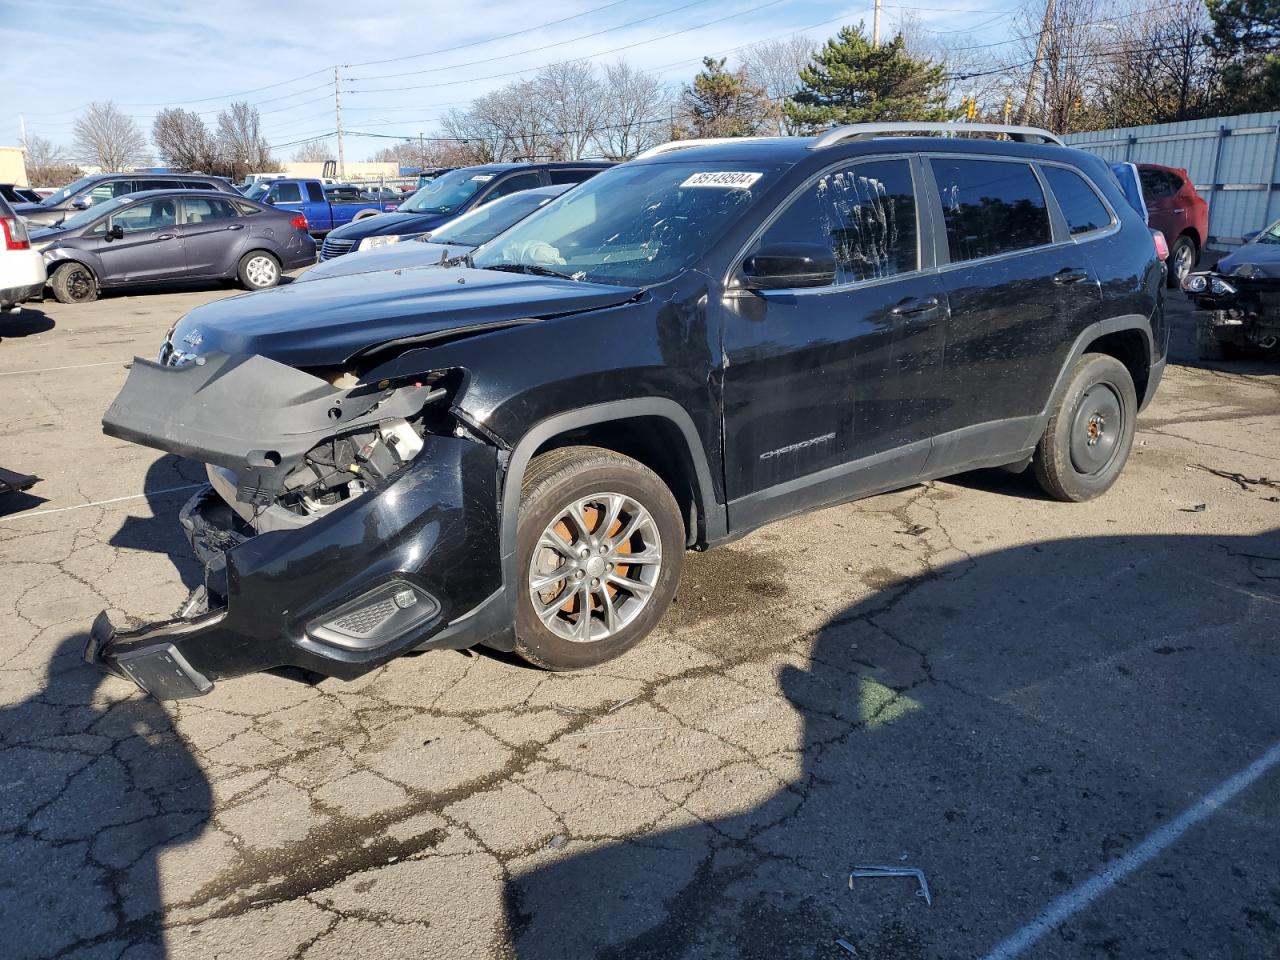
<point x="656" y="431"/>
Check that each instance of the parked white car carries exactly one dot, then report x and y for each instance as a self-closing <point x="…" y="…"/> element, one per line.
<point x="21" y="268"/>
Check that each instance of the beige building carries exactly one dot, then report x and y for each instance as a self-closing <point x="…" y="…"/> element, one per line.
<point x="13" y="168"/>
<point x="355" y="170"/>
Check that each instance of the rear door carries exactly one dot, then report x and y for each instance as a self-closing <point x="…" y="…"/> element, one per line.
<point x="150" y="248"/>
<point x="213" y="233"/>
<point x="832" y="391"/>
<point x="1158" y="190"/>
<point x="1019" y="290"/>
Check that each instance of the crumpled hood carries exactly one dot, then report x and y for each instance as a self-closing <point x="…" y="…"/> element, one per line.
<point x="325" y="322"/>
<point x="406" y="255"/>
<point x="388" y="223"/>
<point x="1260" y="260"/>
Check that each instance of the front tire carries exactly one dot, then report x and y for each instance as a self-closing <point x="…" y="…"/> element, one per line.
<point x="1090" y="432"/>
<point x="74" y="283"/>
<point x="599" y="547"/>
<point x="258" y="270"/>
<point x="1182" y="260"/>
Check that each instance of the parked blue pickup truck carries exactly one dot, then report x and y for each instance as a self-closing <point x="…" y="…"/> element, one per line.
<point x="324" y="208"/>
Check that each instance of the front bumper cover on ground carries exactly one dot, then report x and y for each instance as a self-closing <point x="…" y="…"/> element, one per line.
<point x="433" y="531"/>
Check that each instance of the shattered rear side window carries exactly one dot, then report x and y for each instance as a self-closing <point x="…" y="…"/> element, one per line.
<point x="865" y="214"/>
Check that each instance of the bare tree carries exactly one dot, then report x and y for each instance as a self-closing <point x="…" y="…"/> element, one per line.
<point x="572" y="100"/>
<point x="108" y="138"/>
<point x="1072" y="68"/>
<point x="486" y="141"/>
<point x="637" y="111"/>
<point x="47" y="165"/>
<point x="240" y="140"/>
<point x="317" y="151"/>
<point x="182" y="140"/>
<point x="514" y="117"/>
<point x="776" y="65"/>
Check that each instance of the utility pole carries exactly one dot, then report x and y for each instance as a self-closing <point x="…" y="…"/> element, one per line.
<point x="337" y="115"/>
<point x="1025" y="113"/>
<point x="875" y="26"/>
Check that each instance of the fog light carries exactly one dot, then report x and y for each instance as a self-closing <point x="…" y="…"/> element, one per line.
<point x="377" y="618"/>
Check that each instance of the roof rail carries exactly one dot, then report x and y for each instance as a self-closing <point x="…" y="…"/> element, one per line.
<point x="865" y="131"/>
<point x="694" y="142"/>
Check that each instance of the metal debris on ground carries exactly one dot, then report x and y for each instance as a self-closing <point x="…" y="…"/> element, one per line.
<point x="847" y="945"/>
<point x="558" y="841"/>
<point x="621" y="703"/>
<point x="915" y="530"/>
<point x="1245" y="483"/>
<point x="1198" y="508"/>
<point x="869" y="870"/>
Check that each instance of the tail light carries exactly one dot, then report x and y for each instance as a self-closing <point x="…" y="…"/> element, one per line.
<point x="1162" y="247"/>
<point x="15" y="234"/>
<point x="299" y="222"/>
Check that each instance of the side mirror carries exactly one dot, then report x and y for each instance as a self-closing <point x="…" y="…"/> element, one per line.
<point x="269" y="199"/>
<point x="782" y="266"/>
<point x="81" y="203"/>
<point x="115" y="232"/>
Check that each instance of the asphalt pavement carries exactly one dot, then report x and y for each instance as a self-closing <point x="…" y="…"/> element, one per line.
<point x="1066" y="716"/>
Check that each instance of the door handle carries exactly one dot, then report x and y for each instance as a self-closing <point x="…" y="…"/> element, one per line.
<point x="1179" y="209"/>
<point x="1070" y="275"/>
<point x="236" y="226"/>
<point x="165" y="236"/>
<point x="913" y="307"/>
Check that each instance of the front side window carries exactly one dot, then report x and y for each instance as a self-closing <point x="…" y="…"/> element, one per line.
<point x="521" y="181"/>
<point x="632" y="224"/>
<point x="150" y="215"/>
<point x="865" y="214"/>
<point x="1081" y="207"/>
<point x="286" y="193"/>
<point x="990" y="207"/>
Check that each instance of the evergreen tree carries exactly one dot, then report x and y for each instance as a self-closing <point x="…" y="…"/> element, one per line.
<point x="851" y="81"/>
<point x="721" y="103"/>
<point x="1247" y="33"/>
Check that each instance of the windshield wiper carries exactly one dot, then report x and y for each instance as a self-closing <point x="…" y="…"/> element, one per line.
<point x="530" y="268"/>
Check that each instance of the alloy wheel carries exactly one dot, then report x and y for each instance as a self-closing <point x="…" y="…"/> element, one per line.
<point x="595" y="567"/>
<point x="261" y="271"/>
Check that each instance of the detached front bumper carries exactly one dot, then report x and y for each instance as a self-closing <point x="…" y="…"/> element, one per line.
<point x="412" y="565"/>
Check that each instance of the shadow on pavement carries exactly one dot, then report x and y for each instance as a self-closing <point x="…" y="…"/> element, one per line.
<point x="161" y="532"/>
<point x="27" y="322"/>
<point x="1011" y="724"/>
<point x="92" y="792"/>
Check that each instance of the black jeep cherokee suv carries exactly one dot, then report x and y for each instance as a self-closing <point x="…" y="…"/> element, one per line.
<point x="516" y="451"/>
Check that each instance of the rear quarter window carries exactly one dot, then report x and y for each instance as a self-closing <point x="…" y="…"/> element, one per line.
<point x="990" y="207"/>
<point x="1080" y="204"/>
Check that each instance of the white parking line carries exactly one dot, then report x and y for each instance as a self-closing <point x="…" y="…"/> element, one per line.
<point x="1074" y="901"/>
<point x="100" y="503"/>
<point x="73" y="366"/>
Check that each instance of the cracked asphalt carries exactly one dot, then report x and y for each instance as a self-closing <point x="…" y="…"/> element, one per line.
<point x="1009" y="693"/>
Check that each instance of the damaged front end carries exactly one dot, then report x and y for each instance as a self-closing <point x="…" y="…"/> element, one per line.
<point x="348" y="519"/>
<point x="1241" y="309"/>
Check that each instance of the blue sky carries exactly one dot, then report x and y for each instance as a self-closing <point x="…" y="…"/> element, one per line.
<point x="148" y="54"/>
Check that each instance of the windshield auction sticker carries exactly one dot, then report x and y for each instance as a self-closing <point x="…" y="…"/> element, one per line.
<point x="726" y="180"/>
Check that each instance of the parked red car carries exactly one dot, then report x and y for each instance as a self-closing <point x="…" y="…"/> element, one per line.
<point x="1176" y="210"/>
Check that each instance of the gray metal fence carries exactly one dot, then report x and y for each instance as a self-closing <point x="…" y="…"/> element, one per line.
<point x="1233" y="161"/>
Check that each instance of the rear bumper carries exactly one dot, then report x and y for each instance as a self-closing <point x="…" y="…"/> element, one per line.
<point x="413" y="565"/>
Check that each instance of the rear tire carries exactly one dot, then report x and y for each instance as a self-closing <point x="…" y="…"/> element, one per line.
<point x="258" y="270"/>
<point x="74" y="283"/>
<point x="1090" y="432"/>
<point x="1182" y="259"/>
<point x="574" y="606"/>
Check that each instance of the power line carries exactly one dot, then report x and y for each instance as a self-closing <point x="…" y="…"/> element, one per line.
<point x="512" y="73"/>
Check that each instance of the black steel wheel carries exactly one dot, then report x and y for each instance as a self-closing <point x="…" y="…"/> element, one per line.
<point x="1090" y="432"/>
<point x="74" y="283"/>
<point x="600" y="544"/>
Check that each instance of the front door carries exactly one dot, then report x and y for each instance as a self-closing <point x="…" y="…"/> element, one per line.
<point x="830" y="392"/>
<point x="150" y="248"/>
